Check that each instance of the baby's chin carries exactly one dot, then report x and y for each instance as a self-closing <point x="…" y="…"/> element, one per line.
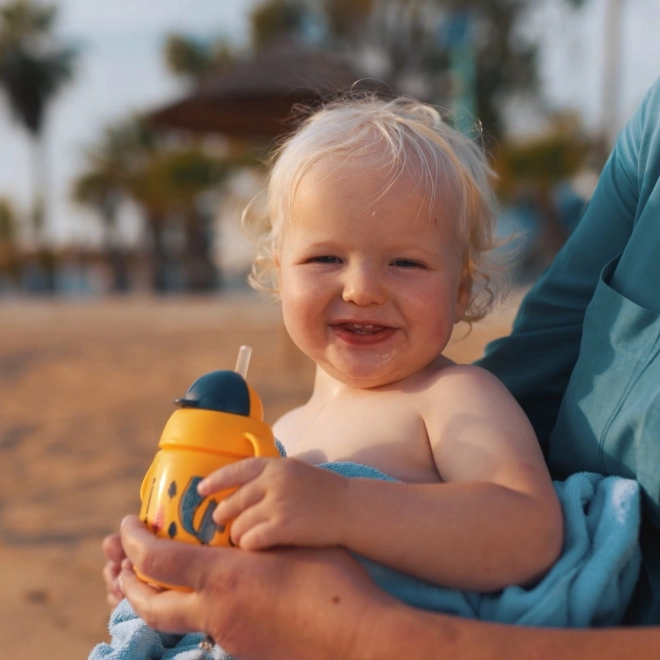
<point x="370" y="379"/>
<point x="383" y="374"/>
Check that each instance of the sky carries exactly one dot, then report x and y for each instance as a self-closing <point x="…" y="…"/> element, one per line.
<point x="121" y="71"/>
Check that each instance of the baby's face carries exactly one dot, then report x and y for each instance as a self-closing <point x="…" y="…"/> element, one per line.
<point x="370" y="278"/>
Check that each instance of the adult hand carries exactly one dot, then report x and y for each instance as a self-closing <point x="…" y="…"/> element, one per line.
<point x="320" y="604"/>
<point x="115" y="554"/>
<point x="292" y="603"/>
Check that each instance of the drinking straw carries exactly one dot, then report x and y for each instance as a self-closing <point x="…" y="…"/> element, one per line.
<point x="243" y="361"/>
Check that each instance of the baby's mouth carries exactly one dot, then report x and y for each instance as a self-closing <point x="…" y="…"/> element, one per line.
<point x="362" y="328"/>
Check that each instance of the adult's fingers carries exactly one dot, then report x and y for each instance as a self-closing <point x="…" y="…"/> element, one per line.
<point x="113" y="592"/>
<point x="114" y="552"/>
<point x="113" y="549"/>
<point x="164" y="561"/>
<point x="169" y="611"/>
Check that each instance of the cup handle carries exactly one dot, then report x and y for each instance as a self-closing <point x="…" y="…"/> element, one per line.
<point x="262" y="447"/>
<point x="146" y="482"/>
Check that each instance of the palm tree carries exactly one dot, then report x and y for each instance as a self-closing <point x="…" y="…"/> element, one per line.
<point x="167" y="183"/>
<point x="34" y="66"/>
<point x="412" y="41"/>
<point x="112" y="164"/>
<point x="170" y="187"/>
<point x="187" y="57"/>
<point x="8" y="254"/>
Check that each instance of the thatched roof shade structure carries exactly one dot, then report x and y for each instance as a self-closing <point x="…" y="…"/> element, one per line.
<point x="253" y="98"/>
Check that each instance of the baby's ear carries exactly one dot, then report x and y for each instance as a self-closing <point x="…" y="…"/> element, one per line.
<point x="277" y="265"/>
<point x="463" y="297"/>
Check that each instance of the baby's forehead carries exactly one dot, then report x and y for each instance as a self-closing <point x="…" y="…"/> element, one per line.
<point x="371" y="179"/>
<point x="334" y="191"/>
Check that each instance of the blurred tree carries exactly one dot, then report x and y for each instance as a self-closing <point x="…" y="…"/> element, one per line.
<point x="532" y="170"/>
<point x="171" y="184"/>
<point x="120" y="154"/>
<point x="7" y="220"/>
<point x="190" y="58"/>
<point x="419" y="41"/>
<point x="413" y="43"/>
<point x="276" y="19"/>
<point x="345" y="17"/>
<point x="34" y="66"/>
<point x="168" y="183"/>
<point x="9" y="262"/>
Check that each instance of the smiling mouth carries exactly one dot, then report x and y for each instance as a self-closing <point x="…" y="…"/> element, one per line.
<point x="362" y="328"/>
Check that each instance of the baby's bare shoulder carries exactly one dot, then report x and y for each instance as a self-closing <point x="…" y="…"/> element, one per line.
<point x="287" y="425"/>
<point x="464" y="389"/>
<point x="465" y="377"/>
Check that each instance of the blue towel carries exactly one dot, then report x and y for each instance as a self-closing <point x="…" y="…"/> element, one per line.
<point x="590" y="585"/>
<point x="132" y="639"/>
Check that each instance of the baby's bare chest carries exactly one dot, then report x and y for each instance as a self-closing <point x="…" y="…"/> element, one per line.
<point x="388" y="434"/>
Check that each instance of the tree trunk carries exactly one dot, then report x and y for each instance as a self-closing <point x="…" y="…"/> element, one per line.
<point x="159" y="258"/>
<point x="114" y="250"/>
<point x="46" y="257"/>
<point x="200" y="271"/>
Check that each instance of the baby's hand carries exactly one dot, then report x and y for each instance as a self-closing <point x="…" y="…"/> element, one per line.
<point x="279" y="502"/>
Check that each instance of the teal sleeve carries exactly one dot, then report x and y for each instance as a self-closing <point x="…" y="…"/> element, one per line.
<point x="584" y="355"/>
<point x="537" y="359"/>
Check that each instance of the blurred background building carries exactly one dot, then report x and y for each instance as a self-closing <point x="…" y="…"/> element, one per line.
<point x="131" y="138"/>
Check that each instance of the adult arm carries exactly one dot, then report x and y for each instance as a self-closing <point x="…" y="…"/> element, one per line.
<point x="536" y="360"/>
<point x="291" y="603"/>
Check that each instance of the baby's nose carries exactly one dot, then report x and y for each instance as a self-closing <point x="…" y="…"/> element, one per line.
<point x="363" y="285"/>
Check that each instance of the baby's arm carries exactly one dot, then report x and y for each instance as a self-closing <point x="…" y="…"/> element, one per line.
<point x="495" y="521"/>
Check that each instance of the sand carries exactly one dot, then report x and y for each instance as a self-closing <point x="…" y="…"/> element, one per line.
<point x="85" y="389"/>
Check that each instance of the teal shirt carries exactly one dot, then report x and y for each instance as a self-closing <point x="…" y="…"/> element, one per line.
<point x="583" y="357"/>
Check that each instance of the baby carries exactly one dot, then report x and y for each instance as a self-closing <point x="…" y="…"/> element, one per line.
<point x="380" y="227"/>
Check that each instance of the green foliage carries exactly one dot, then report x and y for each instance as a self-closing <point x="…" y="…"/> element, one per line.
<point x="543" y="161"/>
<point x="172" y="180"/>
<point x="23" y="20"/>
<point x="129" y="160"/>
<point x="9" y="262"/>
<point x="275" y="19"/>
<point x="34" y="66"/>
<point x="345" y="16"/>
<point x="8" y="220"/>
<point x="186" y="56"/>
<point x="409" y="35"/>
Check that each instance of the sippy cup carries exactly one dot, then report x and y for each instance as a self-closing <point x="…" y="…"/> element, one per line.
<point x="219" y="421"/>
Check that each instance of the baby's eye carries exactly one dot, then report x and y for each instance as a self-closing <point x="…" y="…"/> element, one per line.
<point x="324" y="259"/>
<point x="407" y="263"/>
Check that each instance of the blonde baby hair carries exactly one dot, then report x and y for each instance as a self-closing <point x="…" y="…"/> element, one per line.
<point x="394" y="136"/>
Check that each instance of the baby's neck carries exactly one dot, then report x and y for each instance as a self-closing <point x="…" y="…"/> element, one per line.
<point x="328" y="388"/>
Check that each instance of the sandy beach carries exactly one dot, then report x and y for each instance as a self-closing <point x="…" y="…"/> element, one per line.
<point x="85" y="389"/>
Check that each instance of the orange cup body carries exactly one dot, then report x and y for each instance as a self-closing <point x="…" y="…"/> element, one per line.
<point x="195" y="443"/>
